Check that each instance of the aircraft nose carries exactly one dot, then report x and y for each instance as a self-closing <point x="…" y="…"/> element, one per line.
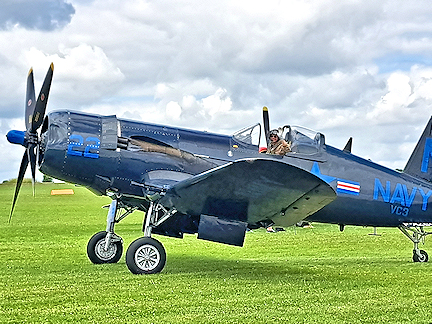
<point x="16" y="137"/>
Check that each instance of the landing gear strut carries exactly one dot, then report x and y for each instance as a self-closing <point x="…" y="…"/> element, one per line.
<point x="106" y="246"/>
<point x="417" y="235"/>
<point x="147" y="255"/>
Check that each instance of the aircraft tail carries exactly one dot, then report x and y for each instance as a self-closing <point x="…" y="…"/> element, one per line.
<point x="420" y="162"/>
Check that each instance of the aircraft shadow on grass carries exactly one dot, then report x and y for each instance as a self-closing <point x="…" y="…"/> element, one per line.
<point x="187" y="181"/>
<point x="262" y="268"/>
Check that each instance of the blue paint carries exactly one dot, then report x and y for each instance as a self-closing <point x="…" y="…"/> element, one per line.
<point x="316" y="171"/>
<point x="378" y="188"/>
<point x="91" y="146"/>
<point x="427" y="153"/>
<point x="16" y="137"/>
<point x="398" y="195"/>
<point x="425" y="198"/>
<point x="76" y="142"/>
<point x="409" y="198"/>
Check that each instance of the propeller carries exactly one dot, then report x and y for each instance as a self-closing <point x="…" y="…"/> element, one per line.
<point x="34" y="114"/>
<point x="266" y="124"/>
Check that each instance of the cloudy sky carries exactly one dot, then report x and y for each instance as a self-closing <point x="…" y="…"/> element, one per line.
<point x="344" y="68"/>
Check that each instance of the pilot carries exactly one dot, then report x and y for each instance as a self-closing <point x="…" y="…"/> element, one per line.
<point x="277" y="145"/>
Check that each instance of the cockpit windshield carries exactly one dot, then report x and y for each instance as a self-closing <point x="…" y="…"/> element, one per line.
<point x="303" y="140"/>
<point x="250" y="135"/>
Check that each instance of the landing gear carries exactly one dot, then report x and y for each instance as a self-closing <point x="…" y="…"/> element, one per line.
<point x="97" y="251"/>
<point x="417" y="235"/>
<point x="145" y="256"/>
<point x="423" y="257"/>
<point x="106" y="246"/>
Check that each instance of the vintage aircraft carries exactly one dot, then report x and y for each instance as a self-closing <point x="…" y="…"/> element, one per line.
<point x="187" y="181"/>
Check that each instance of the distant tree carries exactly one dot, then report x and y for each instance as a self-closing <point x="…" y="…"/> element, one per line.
<point x="47" y="178"/>
<point x="25" y="180"/>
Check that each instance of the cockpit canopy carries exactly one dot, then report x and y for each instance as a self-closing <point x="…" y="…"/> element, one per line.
<point x="250" y="135"/>
<point x="302" y="140"/>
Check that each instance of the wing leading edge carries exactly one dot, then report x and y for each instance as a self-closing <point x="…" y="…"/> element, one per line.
<point x="251" y="191"/>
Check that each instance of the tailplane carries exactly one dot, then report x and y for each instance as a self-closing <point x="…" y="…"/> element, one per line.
<point x="420" y="162"/>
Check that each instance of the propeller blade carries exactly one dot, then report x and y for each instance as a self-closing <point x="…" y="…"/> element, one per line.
<point x="266" y="123"/>
<point x="32" y="158"/>
<point x="30" y="100"/>
<point x="39" y="111"/>
<point x="22" y="170"/>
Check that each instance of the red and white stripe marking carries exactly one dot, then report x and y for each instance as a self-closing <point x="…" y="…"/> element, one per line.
<point x="348" y="186"/>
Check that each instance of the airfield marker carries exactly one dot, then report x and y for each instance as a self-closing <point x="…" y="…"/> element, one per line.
<point x="55" y="192"/>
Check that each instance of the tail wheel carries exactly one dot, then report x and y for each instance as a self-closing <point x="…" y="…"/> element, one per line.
<point x="423" y="257"/>
<point x="97" y="252"/>
<point x="145" y="256"/>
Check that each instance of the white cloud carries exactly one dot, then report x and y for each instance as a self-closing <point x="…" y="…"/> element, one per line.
<point x="218" y="103"/>
<point x="173" y="110"/>
<point x="82" y="76"/>
<point x="392" y="104"/>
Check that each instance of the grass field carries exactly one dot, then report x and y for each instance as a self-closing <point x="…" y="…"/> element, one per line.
<point x="299" y="276"/>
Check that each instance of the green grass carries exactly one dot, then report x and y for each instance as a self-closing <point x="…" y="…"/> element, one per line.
<point x="298" y="276"/>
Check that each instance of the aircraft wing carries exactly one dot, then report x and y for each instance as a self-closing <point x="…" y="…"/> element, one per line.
<point x="250" y="191"/>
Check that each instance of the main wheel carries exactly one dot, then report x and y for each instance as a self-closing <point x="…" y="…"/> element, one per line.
<point x="145" y="256"/>
<point x="96" y="249"/>
<point x="420" y="258"/>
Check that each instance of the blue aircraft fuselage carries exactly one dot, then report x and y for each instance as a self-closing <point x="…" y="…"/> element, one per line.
<point x="104" y="154"/>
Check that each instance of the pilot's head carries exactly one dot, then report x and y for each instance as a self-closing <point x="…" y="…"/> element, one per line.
<point x="274" y="135"/>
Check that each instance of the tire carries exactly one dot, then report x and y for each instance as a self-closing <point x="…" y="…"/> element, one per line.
<point x="145" y="256"/>
<point x="423" y="258"/>
<point x="96" y="247"/>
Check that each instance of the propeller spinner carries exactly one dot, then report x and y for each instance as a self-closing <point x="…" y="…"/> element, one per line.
<point x="34" y="114"/>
